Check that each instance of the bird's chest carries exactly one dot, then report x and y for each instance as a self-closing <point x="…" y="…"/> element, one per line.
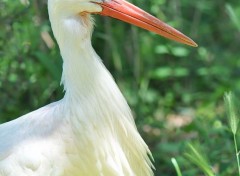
<point x="96" y="149"/>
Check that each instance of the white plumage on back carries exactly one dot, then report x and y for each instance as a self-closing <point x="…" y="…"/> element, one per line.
<point x="90" y="131"/>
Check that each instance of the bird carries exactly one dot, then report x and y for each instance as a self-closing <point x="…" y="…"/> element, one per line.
<point x="91" y="130"/>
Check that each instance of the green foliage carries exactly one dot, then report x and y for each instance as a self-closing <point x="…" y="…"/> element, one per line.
<point x="175" y="91"/>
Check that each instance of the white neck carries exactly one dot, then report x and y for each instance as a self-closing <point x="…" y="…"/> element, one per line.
<point x="77" y="53"/>
<point x="85" y="78"/>
<point x="82" y="68"/>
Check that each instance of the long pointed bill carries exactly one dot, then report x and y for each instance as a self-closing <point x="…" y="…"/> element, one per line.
<point x="127" y="12"/>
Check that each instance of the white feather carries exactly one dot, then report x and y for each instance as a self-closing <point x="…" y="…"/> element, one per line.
<point x="89" y="132"/>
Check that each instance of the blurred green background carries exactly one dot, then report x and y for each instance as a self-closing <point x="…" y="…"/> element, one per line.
<point x="175" y="91"/>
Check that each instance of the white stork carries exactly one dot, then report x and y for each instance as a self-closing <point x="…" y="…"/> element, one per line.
<point x="91" y="131"/>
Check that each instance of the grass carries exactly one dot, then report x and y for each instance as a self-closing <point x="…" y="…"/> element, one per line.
<point x="233" y="115"/>
<point x="176" y="166"/>
<point x="197" y="155"/>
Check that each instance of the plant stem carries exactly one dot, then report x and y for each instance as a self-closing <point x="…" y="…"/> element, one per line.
<point x="237" y="153"/>
<point x="175" y="164"/>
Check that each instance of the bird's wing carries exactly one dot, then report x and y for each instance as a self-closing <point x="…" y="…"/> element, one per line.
<point x="28" y="145"/>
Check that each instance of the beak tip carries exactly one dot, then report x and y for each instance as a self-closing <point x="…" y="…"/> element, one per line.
<point x="193" y="44"/>
<point x="190" y="42"/>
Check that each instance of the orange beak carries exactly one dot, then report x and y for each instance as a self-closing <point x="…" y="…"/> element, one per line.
<point x="127" y="12"/>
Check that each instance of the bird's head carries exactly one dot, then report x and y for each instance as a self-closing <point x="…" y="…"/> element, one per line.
<point x="119" y="9"/>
